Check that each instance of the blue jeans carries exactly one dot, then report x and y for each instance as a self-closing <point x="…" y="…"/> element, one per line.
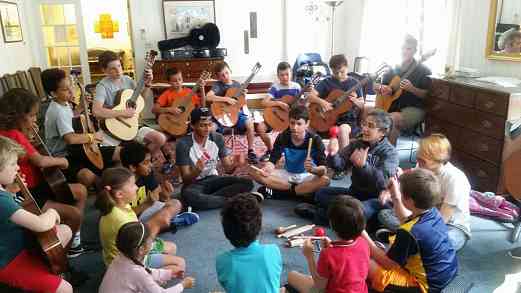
<point x="326" y="194"/>
<point x="457" y="237"/>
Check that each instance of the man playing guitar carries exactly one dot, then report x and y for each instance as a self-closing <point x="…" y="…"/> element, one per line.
<point x="407" y="111"/>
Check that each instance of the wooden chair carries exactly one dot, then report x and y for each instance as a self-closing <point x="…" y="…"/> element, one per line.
<point x="36" y="76"/>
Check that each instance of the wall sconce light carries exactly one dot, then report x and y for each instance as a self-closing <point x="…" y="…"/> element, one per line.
<point x="106" y="26"/>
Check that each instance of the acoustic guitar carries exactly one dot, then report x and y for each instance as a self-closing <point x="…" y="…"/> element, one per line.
<point x="385" y="102"/>
<point x="53" y="175"/>
<point x="278" y="117"/>
<point x="91" y="150"/>
<point x="177" y="124"/>
<point x="321" y="120"/>
<point x="48" y="240"/>
<point x="126" y="128"/>
<point x="228" y="115"/>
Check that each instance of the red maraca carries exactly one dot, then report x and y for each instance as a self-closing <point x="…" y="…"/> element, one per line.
<point x="320" y="232"/>
<point x="333" y="132"/>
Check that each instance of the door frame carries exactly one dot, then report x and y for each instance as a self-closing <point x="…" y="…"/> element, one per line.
<point x="84" y="62"/>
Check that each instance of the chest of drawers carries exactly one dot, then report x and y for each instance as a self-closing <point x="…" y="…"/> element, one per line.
<point x="473" y="116"/>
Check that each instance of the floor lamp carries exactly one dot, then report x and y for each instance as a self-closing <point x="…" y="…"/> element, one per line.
<point x="333" y="5"/>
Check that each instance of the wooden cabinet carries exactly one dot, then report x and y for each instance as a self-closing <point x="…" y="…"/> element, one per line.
<point x="191" y="68"/>
<point x="473" y="116"/>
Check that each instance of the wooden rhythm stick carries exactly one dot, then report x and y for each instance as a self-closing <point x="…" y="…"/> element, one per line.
<point x="296" y="231"/>
<point x="309" y="148"/>
<point x="295" y="242"/>
<point x="281" y="230"/>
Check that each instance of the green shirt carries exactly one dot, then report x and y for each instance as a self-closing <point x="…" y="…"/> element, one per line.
<point x="14" y="237"/>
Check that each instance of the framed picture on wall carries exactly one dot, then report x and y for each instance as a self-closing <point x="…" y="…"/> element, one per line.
<point x="180" y="16"/>
<point x="10" y="20"/>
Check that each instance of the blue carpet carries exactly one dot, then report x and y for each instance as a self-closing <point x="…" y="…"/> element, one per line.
<point x="484" y="261"/>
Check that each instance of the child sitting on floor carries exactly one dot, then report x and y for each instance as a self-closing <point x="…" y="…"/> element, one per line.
<point x="119" y="190"/>
<point x="153" y="203"/>
<point x="127" y="274"/>
<point x="343" y="265"/>
<point x="251" y="266"/>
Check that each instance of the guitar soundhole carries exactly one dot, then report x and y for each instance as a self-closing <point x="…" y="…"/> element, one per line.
<point x="131" y="104"/>
<point x="182" y="109"/>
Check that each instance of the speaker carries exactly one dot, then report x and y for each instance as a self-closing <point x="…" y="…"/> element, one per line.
<point x="207" y="36"/>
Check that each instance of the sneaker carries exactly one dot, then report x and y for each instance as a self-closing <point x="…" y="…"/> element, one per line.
<point x="75" y="251"/>
<point x="252" y="158"/>
<point x="382" y="235"/>
<point x="339" y="175"/>
<point x="185" y="219"/>
<point x="265" y="157"/>
<point x="306" y="211"/>
<point x="258" y="196"/>
<point x="515" y="253"/>
<point x="265" y="191"/>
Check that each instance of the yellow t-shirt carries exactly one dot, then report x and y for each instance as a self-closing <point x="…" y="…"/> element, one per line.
<point x="108" y="229"/>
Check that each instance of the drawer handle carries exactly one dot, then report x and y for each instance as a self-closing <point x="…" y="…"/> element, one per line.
<point x="482" y="173"/>
<point x="436" y="107"/>
<point x="489" y="104"/>
<point x="483" y="147"/>
<point x="187" y="64"/>
<point x="486" y="124"/>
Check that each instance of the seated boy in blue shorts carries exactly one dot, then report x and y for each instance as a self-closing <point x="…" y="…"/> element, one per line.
<point x="245" y="123"/>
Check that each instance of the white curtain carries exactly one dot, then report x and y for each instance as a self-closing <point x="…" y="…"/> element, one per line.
<point x="433" y="23"/>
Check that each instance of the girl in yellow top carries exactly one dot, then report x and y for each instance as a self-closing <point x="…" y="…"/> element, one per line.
<point x="119" y="189"/>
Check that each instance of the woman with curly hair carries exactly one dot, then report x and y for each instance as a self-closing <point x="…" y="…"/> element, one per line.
<point x="251" y="266"/>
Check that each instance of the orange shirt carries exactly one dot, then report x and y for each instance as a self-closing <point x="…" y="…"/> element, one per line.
<point x="167" y="97"/>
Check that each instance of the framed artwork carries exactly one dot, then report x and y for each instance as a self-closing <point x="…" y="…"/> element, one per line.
<point x="180" y="16"/>
<point x="10" y="20"/>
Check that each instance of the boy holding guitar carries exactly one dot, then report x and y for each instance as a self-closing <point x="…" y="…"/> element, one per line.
<point x="285" y="87"/>
<point x="167" y="101"/>
<point x="20" y="267"/>
<point x="340" y="81"/>
<point x="245" y="123"/>
<point x="60" y="136"/>
<point x="407" y="110"/>
<point x="106" y="92"/>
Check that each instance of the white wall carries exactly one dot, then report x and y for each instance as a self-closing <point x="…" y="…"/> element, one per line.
<point x="17" y="56"/>
<point x="473" y="39"/>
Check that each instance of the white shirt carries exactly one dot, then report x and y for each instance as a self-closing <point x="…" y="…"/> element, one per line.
<point x="455" y="192"/>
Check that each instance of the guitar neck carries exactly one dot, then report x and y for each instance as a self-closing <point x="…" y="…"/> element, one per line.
<point x="244" y="85"/>
<point x="346" y="95"/>
<point x="411" y="69"/>
<point x="90" y="127"/>
<point x="25" y="192"/>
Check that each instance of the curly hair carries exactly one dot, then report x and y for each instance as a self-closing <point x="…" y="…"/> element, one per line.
<point x="241" y="218"/>
<point x="51" y="79"/>
<point x="15" y="104"/>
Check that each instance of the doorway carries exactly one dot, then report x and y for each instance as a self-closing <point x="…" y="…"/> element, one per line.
<point x="106" y="25"/>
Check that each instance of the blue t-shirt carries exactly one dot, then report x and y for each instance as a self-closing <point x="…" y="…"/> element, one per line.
<point x="295" y="156"/>
<point x="278" y="90"/>
<point x="423" y="248"/>
<point x="14" y="237"/>
<point x="251" y="269"/>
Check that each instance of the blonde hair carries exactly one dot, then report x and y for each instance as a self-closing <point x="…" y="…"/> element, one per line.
<point x="435" y="147"/>
<point x="9" y="149"/>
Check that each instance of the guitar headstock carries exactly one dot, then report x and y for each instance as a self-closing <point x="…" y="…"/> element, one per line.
<point x="256" y="68"/>
<point x="427" y="55"/>
<point x="150" y="58"/>
<point x="315" y="79"/>
<point x="205" y="75"/>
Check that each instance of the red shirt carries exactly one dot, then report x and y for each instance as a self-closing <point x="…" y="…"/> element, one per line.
<point x="170" y="95"/>
<point x="345" y="265"/>
<point x="33" y="175"/>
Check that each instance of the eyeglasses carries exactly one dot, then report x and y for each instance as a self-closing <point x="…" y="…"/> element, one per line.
<point x="370" y="124"/>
